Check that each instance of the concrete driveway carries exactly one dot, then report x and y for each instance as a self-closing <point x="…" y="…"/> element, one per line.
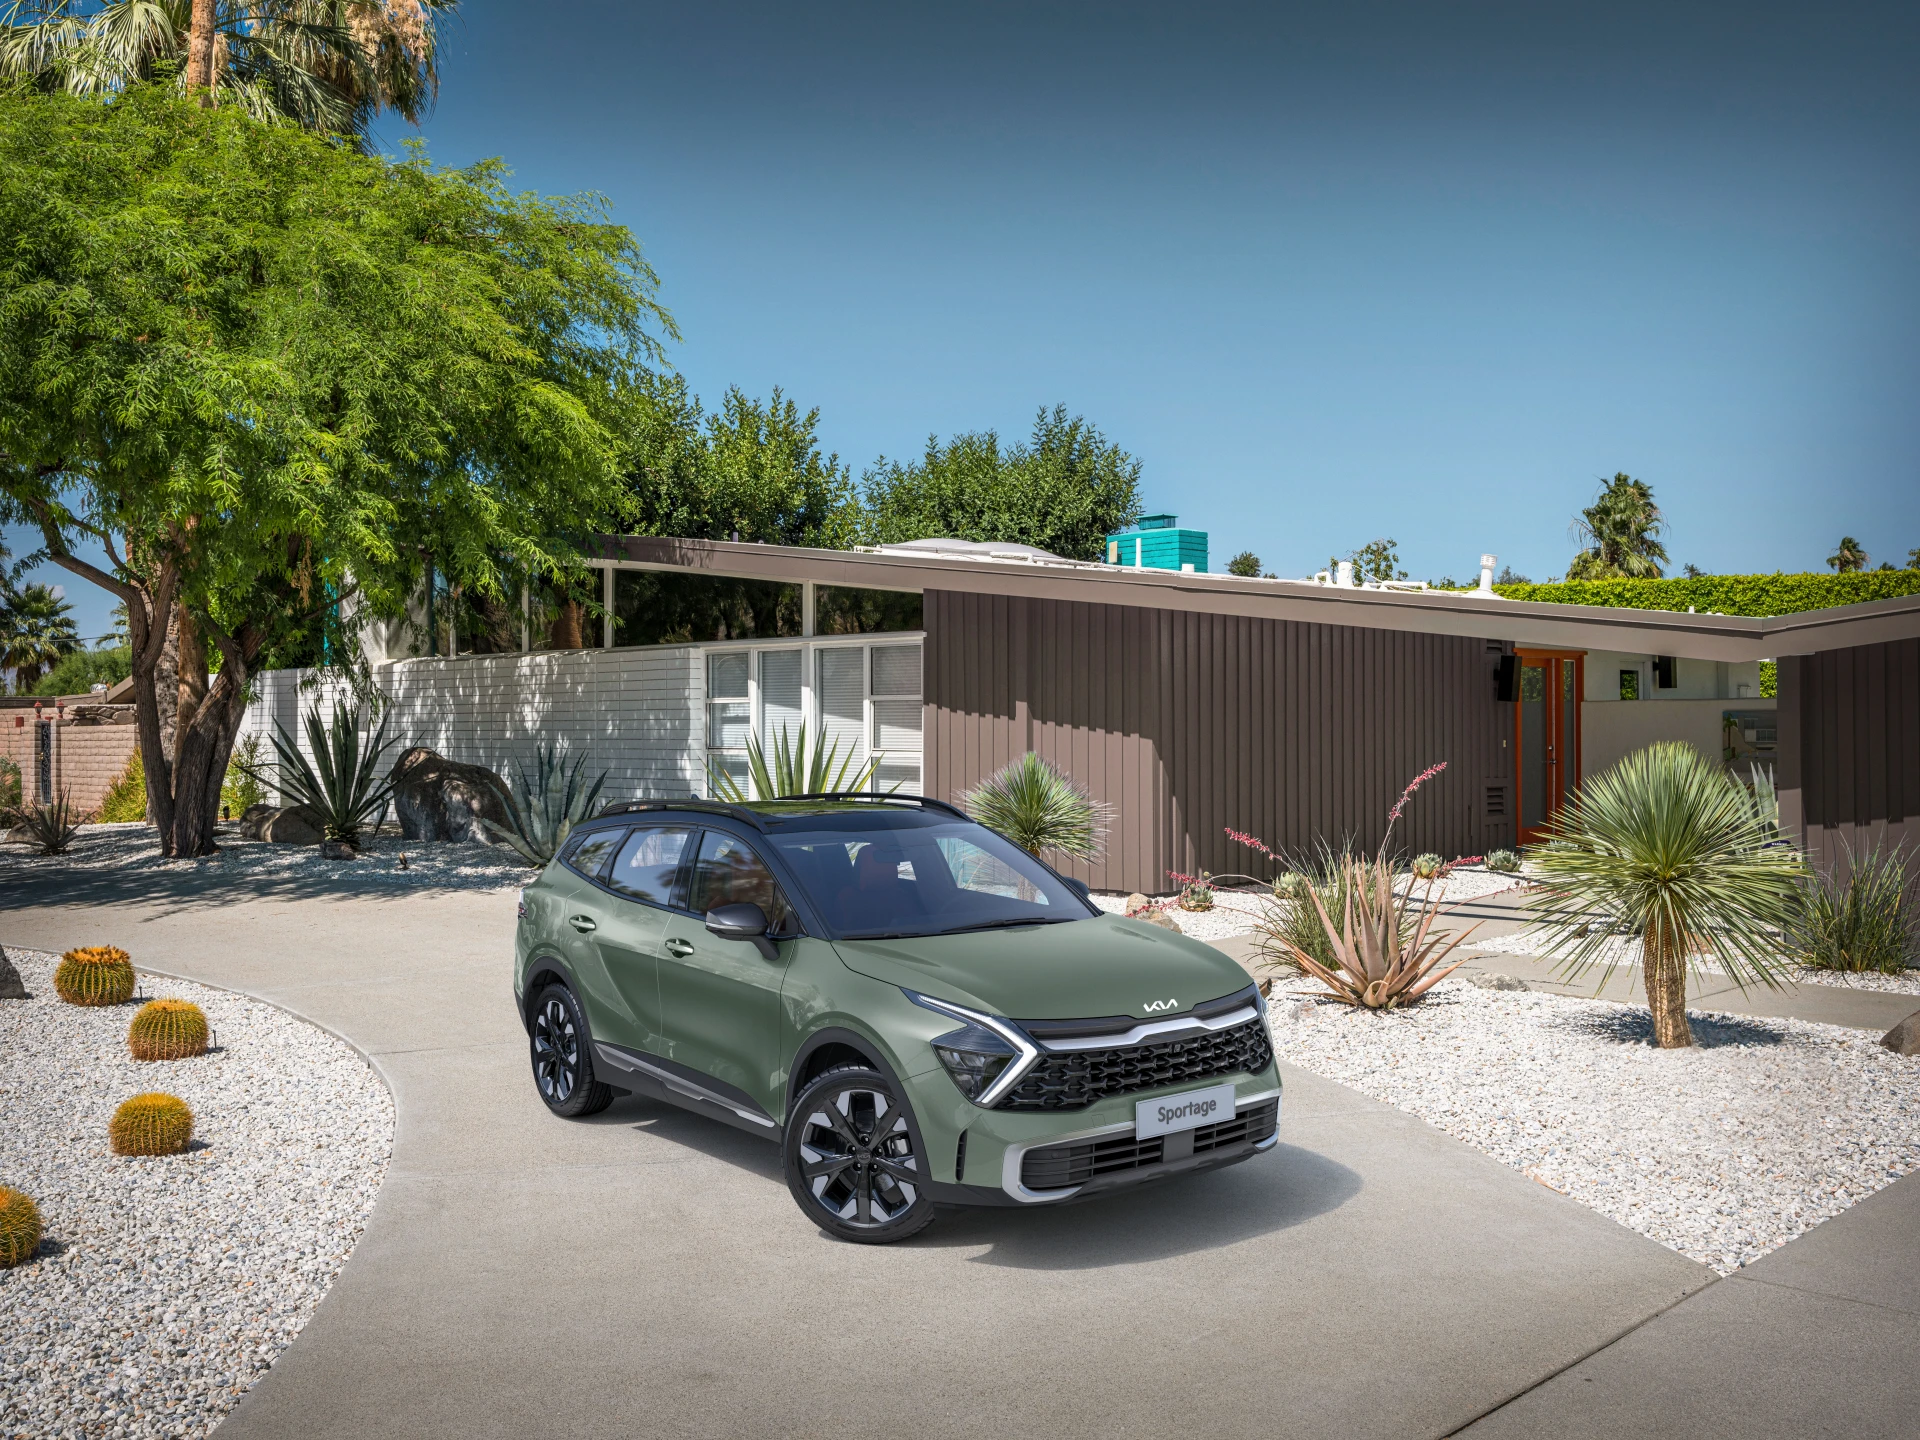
<point x="646" y="1273"/>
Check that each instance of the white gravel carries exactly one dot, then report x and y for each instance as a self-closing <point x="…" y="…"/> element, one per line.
<point x="1722" y="1152"/>
<point x="166" y="1286"/>
<point x="430" y="865"/>
<point x="1238" y="912"/>
<point x="1530" y="943"/>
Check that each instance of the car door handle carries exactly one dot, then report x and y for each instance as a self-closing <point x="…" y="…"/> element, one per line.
<point x="582" y="923"/>
<point x="679" y="948"/>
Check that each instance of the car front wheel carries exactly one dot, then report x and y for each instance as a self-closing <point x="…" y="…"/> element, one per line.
<point x="563" y="1058"/>
<point x="851" y="1160"/>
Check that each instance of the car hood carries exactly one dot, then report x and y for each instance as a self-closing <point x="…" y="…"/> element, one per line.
<point x="1103" y="965"/>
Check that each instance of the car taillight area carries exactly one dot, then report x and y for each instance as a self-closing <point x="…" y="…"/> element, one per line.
<point x="521" y="913"/>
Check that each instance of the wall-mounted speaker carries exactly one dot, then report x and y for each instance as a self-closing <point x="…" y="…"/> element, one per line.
<point x="1509" y="679"/>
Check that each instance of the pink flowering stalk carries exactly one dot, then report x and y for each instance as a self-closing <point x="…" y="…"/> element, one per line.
<point x="1400" y="805"/>
<point x="1252" y="842"/>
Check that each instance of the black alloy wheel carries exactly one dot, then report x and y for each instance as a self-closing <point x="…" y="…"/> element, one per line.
<point x="851" y="1160"/>
<point x="562" y="1056"/>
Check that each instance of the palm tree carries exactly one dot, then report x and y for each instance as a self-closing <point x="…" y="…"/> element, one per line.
<point x="1850" y="554"/>
<point x="1620" y="526"/>
<point x="36" y="632"/>
<point x="328" y="65"/>
<point x="1668" y="848"/>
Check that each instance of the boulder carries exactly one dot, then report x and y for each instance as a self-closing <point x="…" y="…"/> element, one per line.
<point x="1139" y="907"/>
<point x="281" y="825"/>
<point x="1904" y="1038"/>
<point x="12" y="987"/>
<point x="337" y="850"/>
<point x="441" y="799"/>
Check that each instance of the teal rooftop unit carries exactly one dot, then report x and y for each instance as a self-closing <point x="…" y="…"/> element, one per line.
<point x="1157" y="543"/>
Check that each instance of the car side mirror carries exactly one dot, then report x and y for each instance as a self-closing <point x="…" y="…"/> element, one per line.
<point x="1080" y="888"/>
<point x="746" y="922"/>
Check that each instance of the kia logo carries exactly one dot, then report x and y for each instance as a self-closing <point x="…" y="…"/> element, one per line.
<point x="1153" y="1005"/>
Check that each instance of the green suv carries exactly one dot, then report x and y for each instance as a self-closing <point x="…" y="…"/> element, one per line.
<point x="918" y="1011"/>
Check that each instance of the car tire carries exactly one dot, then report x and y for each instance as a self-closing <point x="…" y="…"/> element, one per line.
<point x="851" y="1158"/>
<point x="563" y="1056"/>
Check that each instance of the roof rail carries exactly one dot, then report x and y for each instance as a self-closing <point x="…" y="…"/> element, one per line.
<point x="923" y="800"/>
<point x="706" y="807"/>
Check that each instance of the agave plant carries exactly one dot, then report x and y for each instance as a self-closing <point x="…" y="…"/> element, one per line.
<point x="1861" y="917"/>
<point x="1668" y="848"/>
<point x="795" y="768"/>
<point x="1038" y="808"/>
<point x="50" y="827"/>
<point x="555" y="800"/>
<point x="342" y="785"/>
<point x="1382" y="957"/>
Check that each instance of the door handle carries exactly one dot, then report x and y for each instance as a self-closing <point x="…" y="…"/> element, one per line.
<point x="679" y="948"/>
<point x="582" y="923"/>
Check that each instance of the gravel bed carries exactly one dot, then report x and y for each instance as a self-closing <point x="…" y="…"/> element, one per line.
<point x="1627" y="952"/>
<point x="1722" y="1151"/>
<point x="430" y="865"/>
<point x="166" y="1286"/>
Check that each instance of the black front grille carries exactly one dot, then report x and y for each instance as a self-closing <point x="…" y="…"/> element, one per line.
<point x="1055" y="1167"/>
<point x="1074" y="1079"/>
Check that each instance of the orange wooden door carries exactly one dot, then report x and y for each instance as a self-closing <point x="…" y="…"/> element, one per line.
<point x="1546" y="737"/>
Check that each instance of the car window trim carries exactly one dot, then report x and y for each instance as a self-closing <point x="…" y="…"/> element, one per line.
<point x="681" y="876"/>
<point x="619" y="831"/>
<point x="780" y="883"/>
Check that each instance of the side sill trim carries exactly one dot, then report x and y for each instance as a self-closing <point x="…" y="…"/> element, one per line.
<point x="626" y="1060"/>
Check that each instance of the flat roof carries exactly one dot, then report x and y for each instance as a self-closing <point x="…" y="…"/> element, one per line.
<point x="1435" y="612"/>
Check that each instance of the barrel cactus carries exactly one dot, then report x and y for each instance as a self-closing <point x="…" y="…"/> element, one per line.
<point x="152" y="1124"/>
<point x="19" y="1228"/>
<point x="168" y="1030"/>
<point x="94" y="975"/>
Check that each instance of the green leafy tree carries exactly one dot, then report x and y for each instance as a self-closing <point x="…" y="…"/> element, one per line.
<point x="328" y="65"/>
<point x="1245" y="563"/>
<point x="1065" y="490"/>
<point x="1848" y="556"/>
<point x="1622" y="529"/>
<point x="271" y="376"/>
<point x="79" y="672"/>
<point x="36" y="633"/>
<point x="1913" y="558"/>
<point x="1376" y="561"/>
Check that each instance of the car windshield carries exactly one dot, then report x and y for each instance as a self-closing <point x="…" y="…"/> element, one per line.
<point x="878" y="881"/>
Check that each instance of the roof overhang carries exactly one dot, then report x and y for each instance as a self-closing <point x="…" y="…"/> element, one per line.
<point x="1558" y="627"/>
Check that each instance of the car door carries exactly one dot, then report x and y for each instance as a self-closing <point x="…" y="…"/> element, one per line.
<point x="645" y="876"/>
<point x="583" y="910"/>
<point x="721" y="998"/>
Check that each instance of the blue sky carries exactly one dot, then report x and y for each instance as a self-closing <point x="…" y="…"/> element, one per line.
<point x="1333" y="273"/>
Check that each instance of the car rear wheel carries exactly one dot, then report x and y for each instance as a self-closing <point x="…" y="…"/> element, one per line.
<point x="563" y="1058"/>
<point x="851" y="1159"/>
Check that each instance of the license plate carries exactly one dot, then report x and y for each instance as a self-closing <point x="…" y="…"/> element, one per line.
<point x="1186" y="1111"/>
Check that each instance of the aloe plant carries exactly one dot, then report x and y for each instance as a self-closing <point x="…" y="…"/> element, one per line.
<point x="795" y="768"/>
<point x="1380" y="960"/>
<point x="51" y="827"/>
<point x="342" y="784"/>
<point x="552" y="800"/>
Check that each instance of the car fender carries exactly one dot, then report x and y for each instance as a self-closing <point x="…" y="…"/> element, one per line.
<point x="546" y="965"/>
<point x="869" y="1047"/>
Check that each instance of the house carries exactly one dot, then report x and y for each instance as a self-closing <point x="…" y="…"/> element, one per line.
<point x="1190" y="702"/>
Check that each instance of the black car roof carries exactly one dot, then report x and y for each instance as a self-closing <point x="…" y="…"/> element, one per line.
<point x="801" y="811"/>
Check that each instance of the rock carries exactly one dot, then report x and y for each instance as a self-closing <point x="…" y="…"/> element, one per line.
<point x="281" y="825"/>
<point x="12" y="987"/>
<point x="337" y="850"/>
<point x="1136" y="902"/>
<point x="441" y="799"/>
<point x="1498" y="982"/>
<point x="1904" y="1038"/>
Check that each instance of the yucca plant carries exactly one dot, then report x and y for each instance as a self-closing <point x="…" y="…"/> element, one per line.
<point x="1667" y="848"/>
<point x="1038" y="808"/>
<point x="50" y="828"/>
<point x="552" y="800"/>
<point x="1859" y="917"/>
<point x="1383" y="958"/>
<point x="342" y="784"/>
<point x="796" y="768"/>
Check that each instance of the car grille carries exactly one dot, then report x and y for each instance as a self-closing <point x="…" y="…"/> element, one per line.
<point x="1055" y="1167"/>
<point x="1074" y="1079"/>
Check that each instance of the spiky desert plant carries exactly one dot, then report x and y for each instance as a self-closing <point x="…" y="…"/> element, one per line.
<point x="795" y="768"/>
<point x="1038" y="808"/>
<point x="242" y="789"/>
<point x="20" y="1229"/>
<point x="126" y="797"/>
<point x="151" y="1124"/>
<point x="1425" y="867"/>
<point x="1502" y="862"/>
<point x="50" y="827"/>
<point x="552" y="800"/>
<point x="1665" y="847"/>
<point x="1859" y="917"/>
<point x="342" y="784"/>
<point x="10" y="791"/>
<point x="1381" y="961"/>
<point x="94" y="975"/>
<point x="167" y="1030"/>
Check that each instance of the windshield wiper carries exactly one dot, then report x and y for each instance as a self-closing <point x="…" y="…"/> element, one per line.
<point x="1005" y="924"/>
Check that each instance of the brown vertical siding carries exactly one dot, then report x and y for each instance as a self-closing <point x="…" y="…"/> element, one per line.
<point x="1186" y="723"/>
<point x="1850" y="749"/>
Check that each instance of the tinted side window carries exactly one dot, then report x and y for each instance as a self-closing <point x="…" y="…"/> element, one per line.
<point x="729" y="873"/>
<point x="649" y="863"/>
<point x="589" y="855"/>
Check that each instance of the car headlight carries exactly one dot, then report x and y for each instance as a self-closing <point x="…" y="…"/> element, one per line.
<point x="985" y="1057"/>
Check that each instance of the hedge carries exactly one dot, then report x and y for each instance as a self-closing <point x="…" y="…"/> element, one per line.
<point x="1727" y="594"/>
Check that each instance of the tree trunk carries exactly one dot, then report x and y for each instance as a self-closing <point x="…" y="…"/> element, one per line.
<point x="200" y="767"/>
<point x="1663" y="971"/>
<point x="166" y="685"/>
<point x="192" y="647"/>
<point x="200" y="41"/>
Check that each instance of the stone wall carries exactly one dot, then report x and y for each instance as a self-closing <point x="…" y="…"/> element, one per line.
<point x="85" y="755"/>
